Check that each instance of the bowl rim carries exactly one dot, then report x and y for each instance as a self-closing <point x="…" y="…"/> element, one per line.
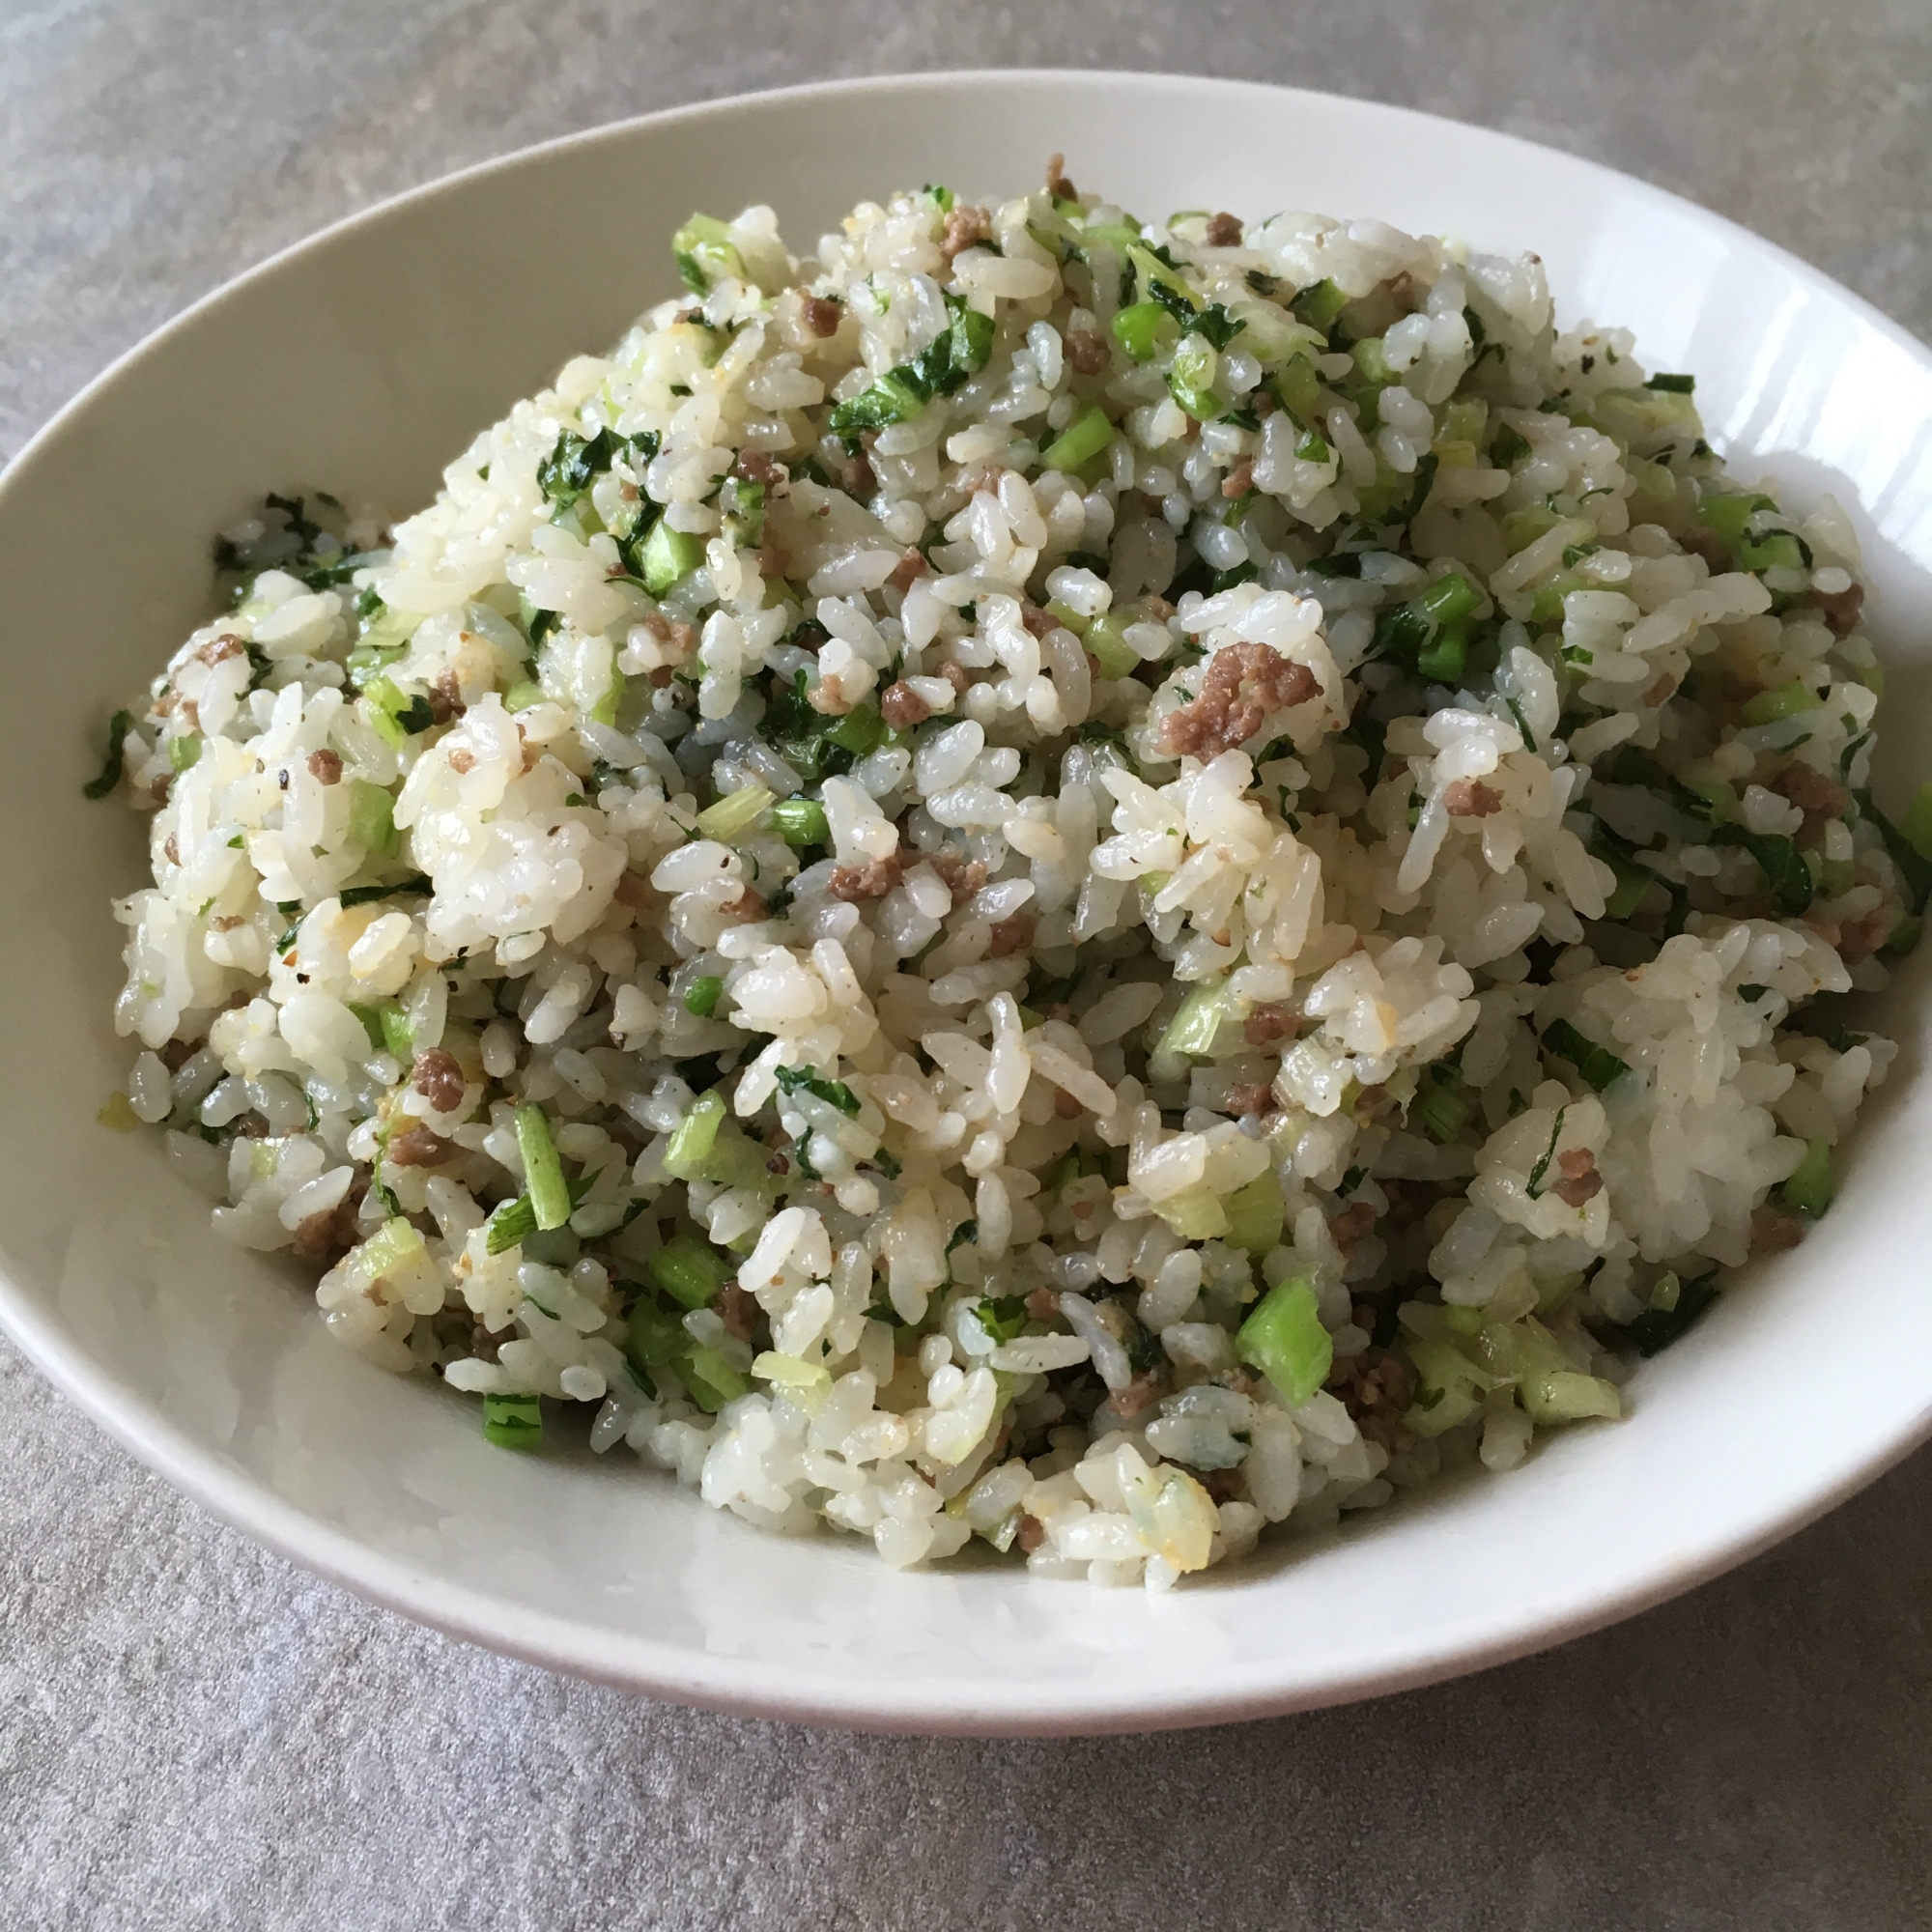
<point x="933" y="1706"/>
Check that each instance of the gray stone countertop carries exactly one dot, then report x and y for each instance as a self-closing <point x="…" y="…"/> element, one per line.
<point x="192" y="1733"/>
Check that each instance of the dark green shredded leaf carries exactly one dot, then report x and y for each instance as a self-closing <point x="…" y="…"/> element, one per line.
<point x="576" y="461"/>
<point x="1542" y="1167"/>
<point x="942" y="366"/>
<point x="808" y="1079"/>
<point x="1780" y="862"/>
<point x="967" y="1230"/>
<point x="1215" y="323"/>
<point x="1598" y="1064"/>
<point x="1658" y="1327"/>
<point x="416" y="884"/>
<point x="1678" y="385"/>
<point x="1003" y="1318"/>
<point x="118" y="727"/>
<point x="1914" y="870"/>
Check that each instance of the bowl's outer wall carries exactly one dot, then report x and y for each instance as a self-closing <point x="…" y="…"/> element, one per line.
<point x="362" y="362"/>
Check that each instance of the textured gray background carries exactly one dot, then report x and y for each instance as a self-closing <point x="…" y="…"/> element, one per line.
<point x="193" y="1734"/>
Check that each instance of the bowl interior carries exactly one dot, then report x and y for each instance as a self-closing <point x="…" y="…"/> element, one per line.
<point x="364" y="360"/>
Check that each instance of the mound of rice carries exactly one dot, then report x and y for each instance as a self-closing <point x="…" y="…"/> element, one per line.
<point x="1037" y="878"/>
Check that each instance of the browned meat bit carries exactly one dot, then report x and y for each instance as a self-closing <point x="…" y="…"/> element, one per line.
<point x="1271" y="1021"/>
<point x="1148" y="1387"/>
<point x="170" y="851"/>
<point x="872" y="880"/>
<point x="332" y="1232"/>
<point x="1240" y="480"/>
<point x="860" y="481"/>
<point x="661" y="676"/>
<point x="1772" y="1231"/>
<point x="1376" y="1388"/>
<point x="755" y="465"/>
<point x="777" y="1164"/>
<point x="963" y="876"/>
<point x="1223" y="231"/>
<point x="1065" y="1106"/>
<point x="1086" y="352"/>
<point x="1580" y="1182"/>
<point x="1355" y="1223"/>
<point x="1471" y="798"/>
<point x="632" y="890"/>
<point x="326" y="766"/>
<point x="1030" y="1534"/>
<point x="218" y="650"/>
<point x="484" y="1342"/>
<point x="821" y="316"/>
<point x="1036" y="621"/>
<point x="1158" y="607"/>
<point x="1859" y="938"/>
<point x="902" y="707"/>
<point x="681" y="637"/>
<point x="965" y="228"/>
<point x="1057" y="184"/>
<point x="749" y="907"/>
<point x="1012" y="935"/>
<point x="223" y="922"/>
<point x="462" y="761"/>
<point x="739" y="1311"/>
<point x="909" y="569"/>
<point x="1241" y="687"/>
<point x="1815" y="795"/>
<point x="446" y="698"/>
<point x="1407" y="1201"/>
<point x="420" y="1147"/>
<point x="438" y="1078"/>
<point x="1253" y="1096"/>
<point x="956" y="675"/>
<point x="774" y="563"/>
<point x="1710" y="546"/>
<point x="1840" y="608"/>
<point x="158" y="791"/>
<point x="1043" y="1305"/>
<point x="1405" y="292"/>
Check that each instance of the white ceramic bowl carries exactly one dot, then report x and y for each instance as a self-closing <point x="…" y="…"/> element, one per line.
<point x="365" y="358"/>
